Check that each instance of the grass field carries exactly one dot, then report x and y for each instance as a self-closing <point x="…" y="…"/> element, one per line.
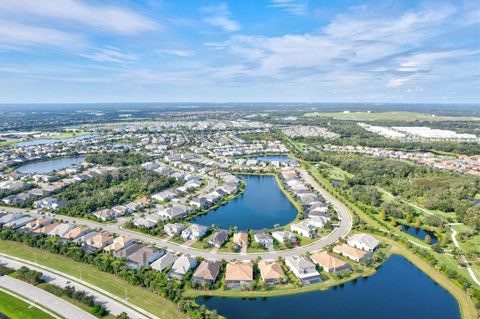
<point x="141" y="297"/>
<point x="389" y="116"/>
<point x="8" y="142"/>
<point x="18" y="309"/>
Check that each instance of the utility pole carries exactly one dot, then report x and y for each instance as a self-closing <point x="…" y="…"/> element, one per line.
<point x="126" y="295"/>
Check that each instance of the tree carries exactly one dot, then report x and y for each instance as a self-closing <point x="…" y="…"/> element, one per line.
<point x="428" y="239"/>
<point x="382" y="215"/>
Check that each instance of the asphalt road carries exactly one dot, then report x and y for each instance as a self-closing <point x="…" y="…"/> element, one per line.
<point x="48" y="300"/>
<point x="54" y="277"/>
<point x="341" y="231"/>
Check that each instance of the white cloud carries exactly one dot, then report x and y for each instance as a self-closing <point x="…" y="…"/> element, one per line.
<point x="176" y="52"/>
<point x="295" y="7"/>
<point x="110" y="54"/>
<point x="219" y="16"/>
<point x="396" y="82"/>
<point x="17" y="34"/>
<point x="360" y="45"/>
<point x="104" y="17"/>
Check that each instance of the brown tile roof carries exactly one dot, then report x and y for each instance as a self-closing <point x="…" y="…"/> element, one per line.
<point x="75" y="232"/>
<point x="350" y="251"/>
<point x="208" y="270"/>
<point x="240" y="239"/>
<point x="239" y="271"/>
<point x="326" y="260"/>
<point x="270" y="270"/>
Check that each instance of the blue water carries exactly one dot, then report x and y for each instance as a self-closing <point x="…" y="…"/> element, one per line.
<point x="49" y="141"/>
<point x="45" y="167"/>
<point x="336" y="182"/>
<point x="271" y="158"/>
<point x="262" y="205"/>
<point x="398" y="290"/>
<point x="420" y="233"/>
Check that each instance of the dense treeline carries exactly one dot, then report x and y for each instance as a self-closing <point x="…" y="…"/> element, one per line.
<point x="157" y="282"/>
<point x="125" y="158"/>
<point x="110" y="189"/>
<point x="433" y="189"/>
<point x="33" y="277"/>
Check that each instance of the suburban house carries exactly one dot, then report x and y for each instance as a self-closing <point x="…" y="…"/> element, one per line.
<point x="100" y="240"/>
<point x="177" y="210"/>
<point x="363" y="241"/>
<point x="304" y="228"/>
<point x="119" y="243"/>
<point x="60" y="229"/>
<point x="271" y="272"/>
<point x="207" y="272"/>
<point x="127" y="251"/>
<point x="104" y="214"/>
<point x="218" y="238"/>
<point x="238" y="274"/>
<point x="355" y="254"/>
<point x="303" y="268"/>
<point x="199" y="202"/>
<point x="182" y="266"/>
<point x="262" y="238"/>
<point x="40" y="222"/>
<point x="49" y="203"/>
<point x="240" y="239"/>
<point x="76" y="232"/>
<point x="20" y="222"/>
<point x="164" y="262"/>
<point x="328" y="262"/>
<point x="195" y="231"/>
<point x="144" y="256"/>
<point x="173" y="229"/>
<point x="164" y="196"/>
<point x="284" y="236"/>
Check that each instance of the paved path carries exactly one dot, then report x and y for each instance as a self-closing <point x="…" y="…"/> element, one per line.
<point x="345" y="225"/>
<point x="50" y="301"/>
<point x="114" y="304"/>
<point x="465" y="261"/>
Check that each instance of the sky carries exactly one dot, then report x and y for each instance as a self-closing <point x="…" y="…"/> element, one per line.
<point x="81" y="51"/>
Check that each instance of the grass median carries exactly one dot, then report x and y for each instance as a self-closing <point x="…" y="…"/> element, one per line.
<point x="138" y="296"/>
<point x="18" y="309"/>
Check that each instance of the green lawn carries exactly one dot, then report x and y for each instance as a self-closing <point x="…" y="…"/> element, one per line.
<point x="18" y="309"/>
<point x="8" y="142"/>
<point x="141" y="297"/>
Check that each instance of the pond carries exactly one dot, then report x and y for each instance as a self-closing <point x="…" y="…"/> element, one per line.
<point x="419" y="233"/>
<point x="336" y="182"/>
<point x="48" y="141"/>
<point x="45" y="167"/>
<point x="262" y="205"/>
<point x="271" y="158"/>
<point x="398" y="290"/>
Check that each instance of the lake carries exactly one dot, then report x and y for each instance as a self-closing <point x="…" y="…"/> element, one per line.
<point x="45" y="167"/>
<point x="271" y="158"/>
<point x="420" y="233"/>
<point x="48" y="141"/>
<point x="398" y="290"/>
<point x="262" y="205"/>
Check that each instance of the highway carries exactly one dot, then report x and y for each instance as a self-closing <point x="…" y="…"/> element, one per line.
<point x="112" y="303"/>
<point x="46" y="299"/>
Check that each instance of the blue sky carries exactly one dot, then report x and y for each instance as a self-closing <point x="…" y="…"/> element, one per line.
<point x="276" y="50"/>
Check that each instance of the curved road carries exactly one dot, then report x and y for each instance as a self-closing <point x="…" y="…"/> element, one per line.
<point x="341" y="231"/>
